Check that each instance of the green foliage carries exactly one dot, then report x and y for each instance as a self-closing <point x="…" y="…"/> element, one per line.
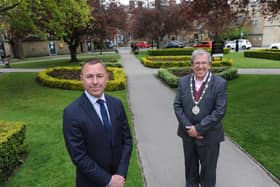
<point x="229" y="74"/>
<point x="169" y="58"/>
<point x="171" y="76"/>
<point x="168" y="77"/>
<point x="20" y="23"/>
<point x="12" y="135"/>
<point x="178" y="61"/>
<point x="235" y="33"/>
<point x="163" y="64"/>
<point x="171" y="52"/>
<point x="226" y="50"/>
<point x="118" y="83"/>
<point x="273" y="54"/>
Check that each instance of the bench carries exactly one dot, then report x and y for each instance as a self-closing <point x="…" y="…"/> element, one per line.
<point x="6" y="61"/>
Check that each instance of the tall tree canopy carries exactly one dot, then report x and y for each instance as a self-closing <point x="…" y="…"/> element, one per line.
<point x="67" y="19"/>
<point x="109" y="20"/>
<point x="6" y="5"/>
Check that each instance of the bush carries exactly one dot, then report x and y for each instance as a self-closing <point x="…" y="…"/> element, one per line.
<point x="179" y="61"/>
<point x="12" y="147"/>
<point x="171" y="76"/>
<point x="171" y="52"/>
<point x="163" y="64"/>
<point x="117" y="83"/>
<point x="177" y="51"/>
<point x="273" y="54"/>
<point x="226" y="50"/>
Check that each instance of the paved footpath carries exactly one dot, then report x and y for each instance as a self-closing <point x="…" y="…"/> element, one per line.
<point x="160" y="149"/>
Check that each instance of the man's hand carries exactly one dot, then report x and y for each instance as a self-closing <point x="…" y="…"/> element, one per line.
<point x="192" y="132"/>
<point x="117" y="181"/>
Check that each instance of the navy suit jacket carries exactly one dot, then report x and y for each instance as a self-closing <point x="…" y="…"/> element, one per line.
<point x="212" y="109"/>
<point x="96" y="157"/>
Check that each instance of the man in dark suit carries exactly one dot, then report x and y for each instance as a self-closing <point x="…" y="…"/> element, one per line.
<point x="200" y="105"/>
<point x="96" y="132"/>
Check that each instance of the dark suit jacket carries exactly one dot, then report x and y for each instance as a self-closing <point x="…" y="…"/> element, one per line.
<point x="95" y="157"/>
<point x="212" y="109"/>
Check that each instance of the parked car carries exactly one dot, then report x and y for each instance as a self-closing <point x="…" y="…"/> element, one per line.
<point x="203" y="44"/>
<point x="109" y="44"/>
<point x="143" y="44"/>
<point x="274" y="46"/>
<point x="242" y="44"/>
<point x="174" y="44"/>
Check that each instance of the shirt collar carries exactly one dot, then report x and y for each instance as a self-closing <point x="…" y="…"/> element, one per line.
<point x="204" y="79"/>
<point x="93" y="99"/>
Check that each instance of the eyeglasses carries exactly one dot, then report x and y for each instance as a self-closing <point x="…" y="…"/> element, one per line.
<point x="200" y="63"/>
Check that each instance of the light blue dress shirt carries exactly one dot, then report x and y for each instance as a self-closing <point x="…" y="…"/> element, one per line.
<point x="96" y="106"/>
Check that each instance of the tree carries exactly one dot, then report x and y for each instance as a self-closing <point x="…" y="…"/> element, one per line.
<point x="269" y="8"/>
<point x="219" y="16"/>
<point x="66" y="19"/>
<point x="17" y="25"/>
<point x="109" y="20"/>
<point x="155" y="23"/>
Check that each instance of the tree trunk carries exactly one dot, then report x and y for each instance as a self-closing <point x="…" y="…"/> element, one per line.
<point x="73" y="53"/>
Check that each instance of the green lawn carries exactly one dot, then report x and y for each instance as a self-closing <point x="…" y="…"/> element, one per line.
<point x="40" y="108"/>
<point x="252" y="118"/>
<point x="240" y="61"/>
<point x="46" y="62"/>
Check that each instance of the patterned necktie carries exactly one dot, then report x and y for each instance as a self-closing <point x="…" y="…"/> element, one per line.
<point x="104" y="116"/>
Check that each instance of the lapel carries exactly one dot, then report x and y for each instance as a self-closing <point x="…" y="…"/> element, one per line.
<point x="90" y="111"/>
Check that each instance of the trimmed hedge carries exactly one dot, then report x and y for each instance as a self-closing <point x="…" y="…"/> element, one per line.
<point x="273" y="54"/>
<point x="179" y="61"/>
<point x="169" y="58"/>
<point x="177" y="51"/>
<point x="171" y="52"/>
<point x="168" y="76"/>
<point x="226" y="50"/>
<point x="118" y="83"/>
<point x="109" y="64"/>
<point x="12" y="135"/>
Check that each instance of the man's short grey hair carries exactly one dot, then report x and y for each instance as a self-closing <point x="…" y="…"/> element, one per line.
<point x="92" y="62"/>
<point x="199" y="52"/>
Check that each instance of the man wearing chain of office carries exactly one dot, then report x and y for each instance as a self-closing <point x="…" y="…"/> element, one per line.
<point x="200" y="105"/>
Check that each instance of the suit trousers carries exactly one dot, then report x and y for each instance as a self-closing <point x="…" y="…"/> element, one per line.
<point x="203" y="157"/>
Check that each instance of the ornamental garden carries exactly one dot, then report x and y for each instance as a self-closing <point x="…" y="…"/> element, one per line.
<point x="35" y="102"/>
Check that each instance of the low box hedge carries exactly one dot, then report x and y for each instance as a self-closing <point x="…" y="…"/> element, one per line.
<point x="169" y="58"/>
<point x="171" y="79"/>
<point x="118" y="83"/>
<point x="12" y="146"/>
<point x="177" y="51"/>
<point x="172" y="61"/>
<point x="273" y="54"/>
<point x="171" y="52"/>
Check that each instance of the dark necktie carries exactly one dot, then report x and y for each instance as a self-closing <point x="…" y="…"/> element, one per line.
<point x="104" y="116"/>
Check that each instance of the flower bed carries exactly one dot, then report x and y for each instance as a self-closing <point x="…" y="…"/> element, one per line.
<point x="69" y="78"/>
<point x="178" y="61"/>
